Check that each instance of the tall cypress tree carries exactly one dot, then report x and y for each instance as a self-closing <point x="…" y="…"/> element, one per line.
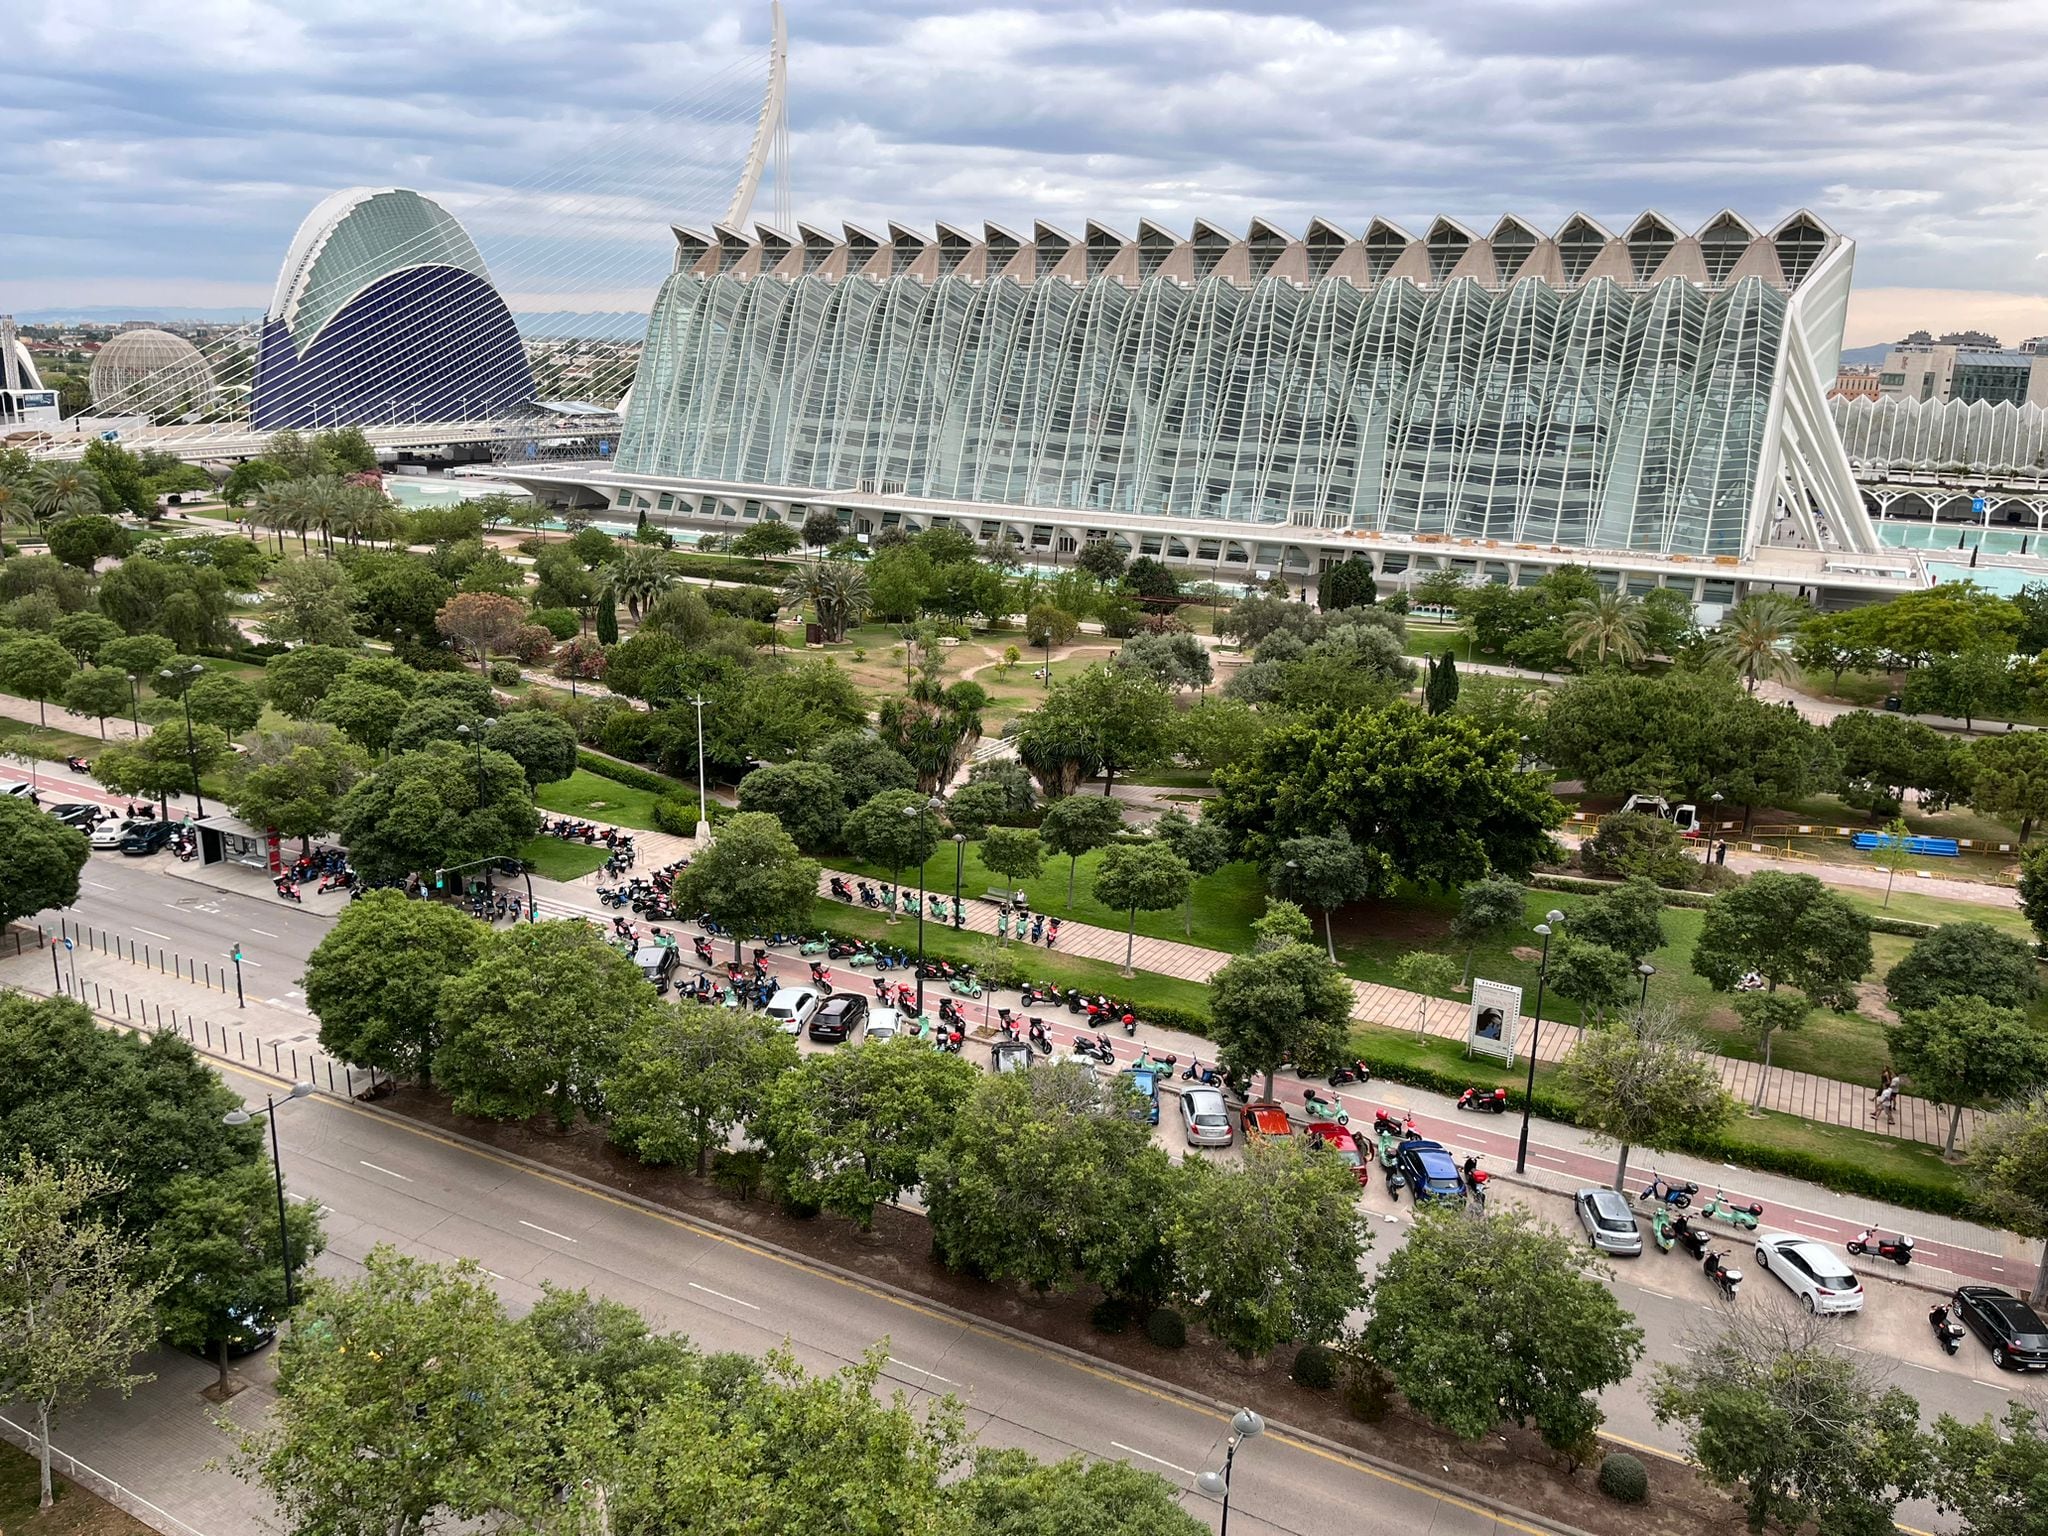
<point x="1440" y="691"/>
<point x="607" y="619"/>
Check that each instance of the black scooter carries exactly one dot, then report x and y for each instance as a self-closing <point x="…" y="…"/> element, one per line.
<point x="1946" y="1328"/>
<point x="1729" y="1280"/>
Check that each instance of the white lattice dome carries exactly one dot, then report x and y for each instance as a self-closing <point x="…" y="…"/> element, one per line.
<point x="150" y="373"/>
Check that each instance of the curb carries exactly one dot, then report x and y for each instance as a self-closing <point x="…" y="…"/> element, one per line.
<point x="1391" y="1469"/>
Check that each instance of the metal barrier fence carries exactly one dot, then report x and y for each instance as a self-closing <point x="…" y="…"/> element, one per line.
<point x="203" y="973"/>
<point x="98" y="1482"/>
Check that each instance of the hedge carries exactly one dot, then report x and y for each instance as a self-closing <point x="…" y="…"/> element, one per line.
<point x="1905" y="927"/>
<point x="729" y="568"/>
<point x="1580" y="885"/>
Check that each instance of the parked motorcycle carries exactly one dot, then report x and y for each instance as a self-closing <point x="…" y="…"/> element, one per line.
<point x="1475" y="1178"/>
<point x="1694" y="1239"/>
<point x="1321" y="1108"/>
<point x="1384" y="1123"/>
<point x="1040" y="1036"/>
<point x="1895" y="1246"/>
<point x="1389" y="1144"/>
<point x="1729" y="1280"/>
<point x="1356" y="1072"/>
<point x="78" y="765"/>
<point x="1744" y="1218"/>
<point x="1483" y="1101"/>
<point x="841" y="891"/>
<point x="1195" y="1072"/>
<point x="1946" y="1328"/>
<point x="1663" y="1190"/>
<point x="1096" y="1048"/>
<point x="1661" y="1228"/>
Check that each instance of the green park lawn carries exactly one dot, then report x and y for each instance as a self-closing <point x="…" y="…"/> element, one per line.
<point x="585" y="794"/>
<point x="555" y="859"/>
<point x="25" y="737"/>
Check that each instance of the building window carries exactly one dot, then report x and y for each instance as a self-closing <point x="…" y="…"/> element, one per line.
<point x="1892" y="380"/>
<point x="667" y="502"/>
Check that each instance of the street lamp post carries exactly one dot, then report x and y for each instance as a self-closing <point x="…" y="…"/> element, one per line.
<point x="1646" y="971"/>
<point x="1243" y="1425"/>
<point x="703" y="809"/>
<point x="1552" y="917"/>
<point x="271" y="1105"/>
<point x="235" y="955"/>
<point x="476" y="739"/>
<point x="1707" y="843"/>
<point x="191" y="752"/>
<point x="916" y="813"/>
<point x="959" y="866"/>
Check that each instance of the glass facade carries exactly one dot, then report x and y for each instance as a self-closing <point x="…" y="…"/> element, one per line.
<point x="1973" y="436"/>
<point x="1616" y="412"/>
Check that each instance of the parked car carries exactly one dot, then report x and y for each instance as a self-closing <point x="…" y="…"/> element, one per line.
<point x="76" y="813"/>
<point x="1205" y="1118"/>
<point x="1340" y="1140"/>
<point x="1145" y="1082"/>
<point x="1011" y="1056"/>
<point x="1263" y="1118"/>
<point x="14" y="789"/>
<point x="1609" y="1222"/>
<point x="147" y="837"/>
<point x="658" y="963"/>
<point x="2010" y="1329"/>
<point x="1812" y="1271"/>
<point x="1431" y="1171"/>
<point x="108" y="834"/>
<point x="838" y="1018"/>
<point x="883" y="1024"/>
<point x="793" y="1007"/>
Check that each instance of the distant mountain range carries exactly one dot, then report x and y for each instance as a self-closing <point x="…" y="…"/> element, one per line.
<point x="604" y="325"/>
<point x="1864" y="357"/>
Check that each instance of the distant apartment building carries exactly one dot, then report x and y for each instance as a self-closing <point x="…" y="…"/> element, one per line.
<point x="1944" y="371"/>
<point x="1857" y="382"/>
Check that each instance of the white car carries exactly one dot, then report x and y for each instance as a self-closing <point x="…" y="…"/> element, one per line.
<point x="883" y="1024"/>
<point x="1814" y="1272"/>
<point x="792" y="1007"/>
<point x="108" y="834"/>
<point x="14" y="789"/>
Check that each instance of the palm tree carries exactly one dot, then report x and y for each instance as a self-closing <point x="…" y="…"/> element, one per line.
<point x="362" y="512"/>
<point x="1751" y="637"/>
<point x="639" y="575"/>
<point x="1611" y="622"/>
<point x="836" y="590"/>
<point x="283" y="507"/>
<point x="62" y="490"/>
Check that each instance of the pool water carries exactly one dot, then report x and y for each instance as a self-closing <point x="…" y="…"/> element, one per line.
<point x="415" y="491"/>
<point x="1993" y="541"/>
<point x="2005" y="580"/>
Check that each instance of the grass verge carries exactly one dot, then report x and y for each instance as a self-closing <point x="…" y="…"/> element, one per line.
<point x="558" y="860"/>
<point x="77" y="1512"/>
<point x="584" y="794"/>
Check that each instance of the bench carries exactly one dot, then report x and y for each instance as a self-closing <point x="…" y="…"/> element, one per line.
<point x="1000" y="897"/>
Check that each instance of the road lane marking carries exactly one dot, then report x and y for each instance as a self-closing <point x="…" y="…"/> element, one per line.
<point x="154" y="934"/>
<point x="375" y="1169"/>
<point x="723" y="1297"/>
<point x="930" y="1375"/>
<point x="264" y="931"/>
<point x="99" y="885"/>
<point x="254" y="965"/>
<point x="1650" y="1290"/>
<point x="551" y="1232"/>
<point x="1811" y="1226"/>
<point x="1133" y="1450"/>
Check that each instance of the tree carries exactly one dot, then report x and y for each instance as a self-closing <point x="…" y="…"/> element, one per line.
<point x="481" y="622"/>
<point x="1041" y="1179"/>
<point x="219" y="1249"/>
<point x="100" y="693"/>
<point x="836" y="590"/>
<point x="1269" y="1254"/>
<point x="40" y="861"/>
<point x="1488" y="908"/>
<point x="765" y="539"/>
<point x="1994" y="1475"/>
<point x="348" y="450"/>
<point x="687" y="1075"/>
<point x="1500" y="1318"/>
<point x="162" y="763"/>
<point x="1443" y="803"/>
<point x="1074" y="826"/>
<point x="309" y="602"/>
<point x="36" y="668"/>
<point x="536" y="1021"/>
<point x="82" y="542"/>
<point x="1835" y="643"/>
<point x="375" y="981"/>
<point x="1215" y="733"/>
<point x="1884" y="755"/>
<point x="580" y="658"/>
<point x="363" y="711"/>
<point x="1753" y="634"/>
<point x="57" y="491"/>
<point x="1428" y="974"/>
<point x="1649" y="1085"/>
<point x="820" y="527"/>
<point x="1346" y="585"/>
<point x="1105" y="720"/>
<point x="2033" y="889"/>
<point x="1639" y="845"/>
<point x="1282" y="1004"/>
<point x="426" y="720"/>
<point x="1327" y="873"/>
<point x="1173" y="661"/>
<point x="1151" y="579"/>
<point x="1766" y="1015"/>
<point x="542" y="744"/>
<point x="1967" y="683"/>
<point x="82" y="634"/>
<point x="1772" y="1405"/>
<point x="1440" y="691"/>
<point x="1202" y="846"/>
<point x="1102" y="558"/>
<point x="1146" y="877"/>
<point x="1047" y="625"/>
<point x="1610" y="624"/>
<point x="73" y="1317"/>
<point x="224" y="700"/>
<point x="1792" y="931"/>
<point x="2007" y="1169"/>
<point x="808" y="798"/>
<point x="1593" y="975"/>
<point x="298" y="680"/>
<point x="414" y="1403"/>
<point x="751" y="880"/>
<point x="2008" y="778"/>
<point x="1961" y="1050"/>
<point x="1964" y="959"/>
<point x="895" y="831"/>
<point x="866" y="764"/>
<point x="997" y="791"/>
<point x="607" y="618"/>
<point x="1012" y="854"/>
<point x="292" y="782"/>
<point x="1012" y="1494"/>
<point x="436" y="807"/>
<point x="846" y="1132"/>
<point x="246" y="479"/>
<point x="1628" y="920"/>
<point x="1667" y="615"/>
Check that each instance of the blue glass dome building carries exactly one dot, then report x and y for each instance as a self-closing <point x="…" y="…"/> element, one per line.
<point x="384" y="312"/>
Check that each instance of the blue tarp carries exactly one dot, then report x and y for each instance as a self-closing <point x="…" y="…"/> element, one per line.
<point x="1931" y="847"/>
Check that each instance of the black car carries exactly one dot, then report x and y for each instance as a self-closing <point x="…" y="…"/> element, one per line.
<point x="1431" y="1171"/>
<point x="2010" y="1329"/>
<point x="658" y="963"/>
<point x="147" y="837"/>
<point x="75" y="814"/>
<point x="838" y="1018"/>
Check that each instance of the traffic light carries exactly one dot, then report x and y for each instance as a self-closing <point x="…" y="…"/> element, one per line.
<point x="236" y="956"/>
<point x="440" y="879"/>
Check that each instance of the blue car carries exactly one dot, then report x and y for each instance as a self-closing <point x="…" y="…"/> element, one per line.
<point x="1431" y="1172"/>
<point x="1146" y="1081"/>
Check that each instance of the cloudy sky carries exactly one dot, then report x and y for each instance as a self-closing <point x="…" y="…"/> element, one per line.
<point x="161" y="152"/>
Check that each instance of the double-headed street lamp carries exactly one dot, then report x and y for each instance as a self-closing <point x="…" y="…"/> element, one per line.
<point x="703" y="810"/>
<point x="916" y="815"/>
<point x="1551" y="919"/>
<point x="190" y="675"/>
<point x="271" y="1105"/>
<point x="1243" y="1425"/>
<point x="476" y="739"/>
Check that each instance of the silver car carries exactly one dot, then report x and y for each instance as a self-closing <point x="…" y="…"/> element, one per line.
<point x="883" y="1024"/>
<point x="1204" y="1118"/>
<point x="793" y="1007"/>
<point x="1609" y="1222"/>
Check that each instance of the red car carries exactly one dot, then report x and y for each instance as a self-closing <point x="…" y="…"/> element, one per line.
<point x="1263" y="1118"/>
<point x="1340" y="1140"/>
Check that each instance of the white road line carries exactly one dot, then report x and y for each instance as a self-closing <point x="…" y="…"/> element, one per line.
<point x="931" y="1375"/>
<point x="254" y="965"/>
<point x="551" y="1232"/>
<point x="723" y="1297"/>
<point x="1545" y="1157"/>
<point x="1184" y="1472"/>
<point x="1810" y="1226"/>
<point x="386" y="1171"/>
<point x="1930" y="1370"/>
<point x="264" y="931"/>
<point x="1650" y="1290"/>
<point x="99" y="885"/>
<point x="154" y="934"/>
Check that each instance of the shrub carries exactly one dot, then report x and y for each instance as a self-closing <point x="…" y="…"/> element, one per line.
<point x="1112" y="1314"/>
<point x="1368" y="1391"/>
<point x="262" y="650"/>
<point x="676" y="814"/>
<point x="1315" y="1367"/>
<point x="1623" y="1479"/>
<point x="626" y="774"/>
<point x="739" y="1174"/>
<point x="506" y="674"/>
<point x="1167" y="1328"/>
<point x="559" y="622"/>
